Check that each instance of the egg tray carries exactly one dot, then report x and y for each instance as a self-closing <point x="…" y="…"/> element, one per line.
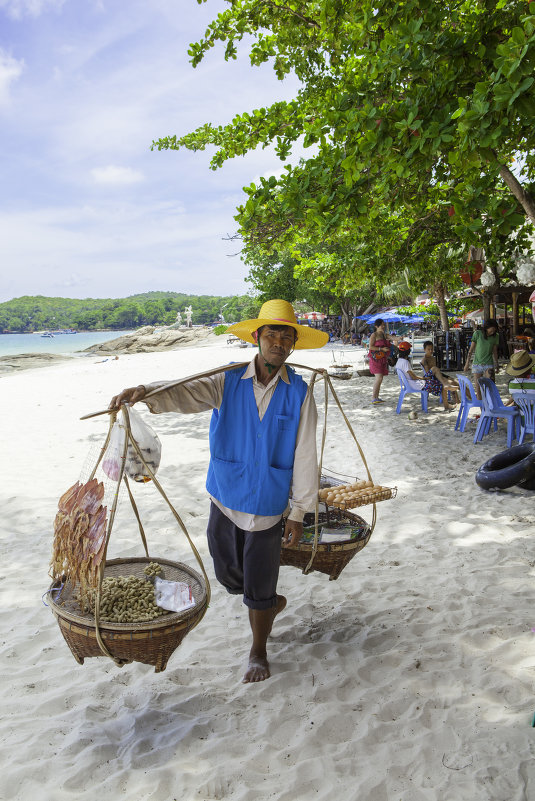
<point x="359" y="497"/>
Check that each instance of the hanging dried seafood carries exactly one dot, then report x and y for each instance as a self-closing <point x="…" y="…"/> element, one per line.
<point x="80" y="536"/>
<point x="109" y="607"/>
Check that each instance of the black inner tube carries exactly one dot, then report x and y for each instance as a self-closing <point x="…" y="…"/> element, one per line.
<point x="513" y="466"/>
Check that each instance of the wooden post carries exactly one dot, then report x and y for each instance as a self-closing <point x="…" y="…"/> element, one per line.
<point x="515" y="314"/>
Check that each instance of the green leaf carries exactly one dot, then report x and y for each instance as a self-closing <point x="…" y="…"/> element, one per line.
<point x="518" y="36"/>
<point x="524" y="86"/>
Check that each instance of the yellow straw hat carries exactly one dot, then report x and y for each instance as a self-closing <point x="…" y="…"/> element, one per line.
<point x="280" y="312"/>
<point x="521" y="361"/>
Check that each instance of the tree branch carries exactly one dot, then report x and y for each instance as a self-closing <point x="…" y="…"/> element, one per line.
<point x="523" y="197"/>
<point x="308" y="20"/>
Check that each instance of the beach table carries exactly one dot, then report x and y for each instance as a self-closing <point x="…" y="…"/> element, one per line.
<point x="517" y="344"/>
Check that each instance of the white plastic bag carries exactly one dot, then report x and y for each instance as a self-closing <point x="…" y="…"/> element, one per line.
<point x="147" y="442"/>
<point x="175" y="596"/>
<point x="111" y="461"/>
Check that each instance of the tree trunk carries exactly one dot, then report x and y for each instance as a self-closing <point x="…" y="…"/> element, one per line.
<point x="487" y="297"/>
<point x="441" y="303"/>
<point x="345" y="307"/>
<point x="523" y="197"/>
<point x="515" y="314"/>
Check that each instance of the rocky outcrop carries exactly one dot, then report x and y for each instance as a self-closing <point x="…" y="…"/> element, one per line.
<point x="150" y="338"/>
<point x="28" y="361"/>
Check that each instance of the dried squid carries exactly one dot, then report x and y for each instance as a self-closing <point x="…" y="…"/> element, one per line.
<point x="80" y="535"/>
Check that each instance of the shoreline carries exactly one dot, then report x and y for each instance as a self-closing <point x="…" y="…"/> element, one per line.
<point x="145" y="340"/>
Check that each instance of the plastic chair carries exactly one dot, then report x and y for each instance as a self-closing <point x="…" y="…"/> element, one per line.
<point x="468" y="401"/>
<point x="492" y="409"/>
<point x="406" y="389"/>
<point x="526" y="407"/>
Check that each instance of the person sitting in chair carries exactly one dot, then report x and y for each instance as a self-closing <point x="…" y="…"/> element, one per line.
<point x="430" y="385"/>
<point x="522" y="369"/>
<point x="431" y="371"/>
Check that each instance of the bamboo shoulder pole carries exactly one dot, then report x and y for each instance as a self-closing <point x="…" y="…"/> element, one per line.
<point x="206" y="374"/>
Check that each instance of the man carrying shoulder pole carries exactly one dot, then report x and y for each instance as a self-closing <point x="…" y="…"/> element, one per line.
<point x="262" y="449"/>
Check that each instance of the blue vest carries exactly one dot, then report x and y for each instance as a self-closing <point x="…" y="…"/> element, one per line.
<point x="251" y="462"/>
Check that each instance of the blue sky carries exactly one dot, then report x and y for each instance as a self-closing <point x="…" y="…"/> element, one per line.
<point x="86" y="209"/>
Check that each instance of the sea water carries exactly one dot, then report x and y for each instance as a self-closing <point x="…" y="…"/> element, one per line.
<point x="62" y="344"/>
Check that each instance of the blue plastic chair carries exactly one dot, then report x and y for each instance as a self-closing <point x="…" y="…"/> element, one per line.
<point x="492" y="409"/>
<point x="468" y="401"/>
<point x="405" y="390"/>
<point x="526" y="407"/>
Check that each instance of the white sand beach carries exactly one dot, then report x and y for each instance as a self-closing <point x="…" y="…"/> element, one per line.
<point x="410" y="678"/>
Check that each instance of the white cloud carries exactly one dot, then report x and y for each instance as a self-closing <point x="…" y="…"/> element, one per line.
<point x="113" y="250"/>
<point x="98" y="86"/>
<point x="10" y="71"/>
<point x="116" y="176"/>
<point x="17" y="9"/>
<point x="275" y="173"/>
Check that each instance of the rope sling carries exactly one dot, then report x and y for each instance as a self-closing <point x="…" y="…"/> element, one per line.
<point x="328" y="387"/>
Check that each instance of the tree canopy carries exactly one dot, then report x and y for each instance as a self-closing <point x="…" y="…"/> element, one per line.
<point x="395" y="97"/>
<point x="420" y="119"/>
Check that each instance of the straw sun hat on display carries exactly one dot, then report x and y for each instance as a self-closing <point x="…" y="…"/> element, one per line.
<point x="280" y="312"/>
<point x="521" y="362"/>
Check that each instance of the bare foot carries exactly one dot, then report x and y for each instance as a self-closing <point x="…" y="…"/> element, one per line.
<point x="258" y="667"/>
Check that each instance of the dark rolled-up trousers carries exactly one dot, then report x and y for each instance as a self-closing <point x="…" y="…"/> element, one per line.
<point x="245" y="562"/>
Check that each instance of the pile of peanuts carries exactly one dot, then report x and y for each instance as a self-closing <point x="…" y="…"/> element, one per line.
<point x="128" y="599"/>
<point x="357" y="494"/>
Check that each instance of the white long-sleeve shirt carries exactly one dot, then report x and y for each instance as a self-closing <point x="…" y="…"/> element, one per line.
<point x="203" y="394"/>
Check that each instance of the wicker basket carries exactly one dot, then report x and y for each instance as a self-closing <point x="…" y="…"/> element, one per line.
<point x="150" y="642"/>
<point x="330" y="558"/>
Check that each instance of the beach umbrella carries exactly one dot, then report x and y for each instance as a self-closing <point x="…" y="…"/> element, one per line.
<point x="479" y="314"/>
<point x="313" y="315"/>
<point x="390" y="317"/>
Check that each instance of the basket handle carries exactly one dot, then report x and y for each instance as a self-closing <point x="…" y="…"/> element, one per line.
<point x="122" y="475"/>
<point x="329" y="386"/>
<point x="350" y="427"/>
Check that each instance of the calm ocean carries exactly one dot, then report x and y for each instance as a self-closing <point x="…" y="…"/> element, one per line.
<point x="68" y="344"/>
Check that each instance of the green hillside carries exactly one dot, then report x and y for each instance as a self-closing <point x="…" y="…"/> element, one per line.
<point x="36" y="312"/>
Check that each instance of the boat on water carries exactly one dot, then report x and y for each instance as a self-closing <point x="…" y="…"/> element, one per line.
<point x="47" y="334"/>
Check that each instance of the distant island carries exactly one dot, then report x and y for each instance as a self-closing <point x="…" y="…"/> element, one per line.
<point x="37" y="312"/>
